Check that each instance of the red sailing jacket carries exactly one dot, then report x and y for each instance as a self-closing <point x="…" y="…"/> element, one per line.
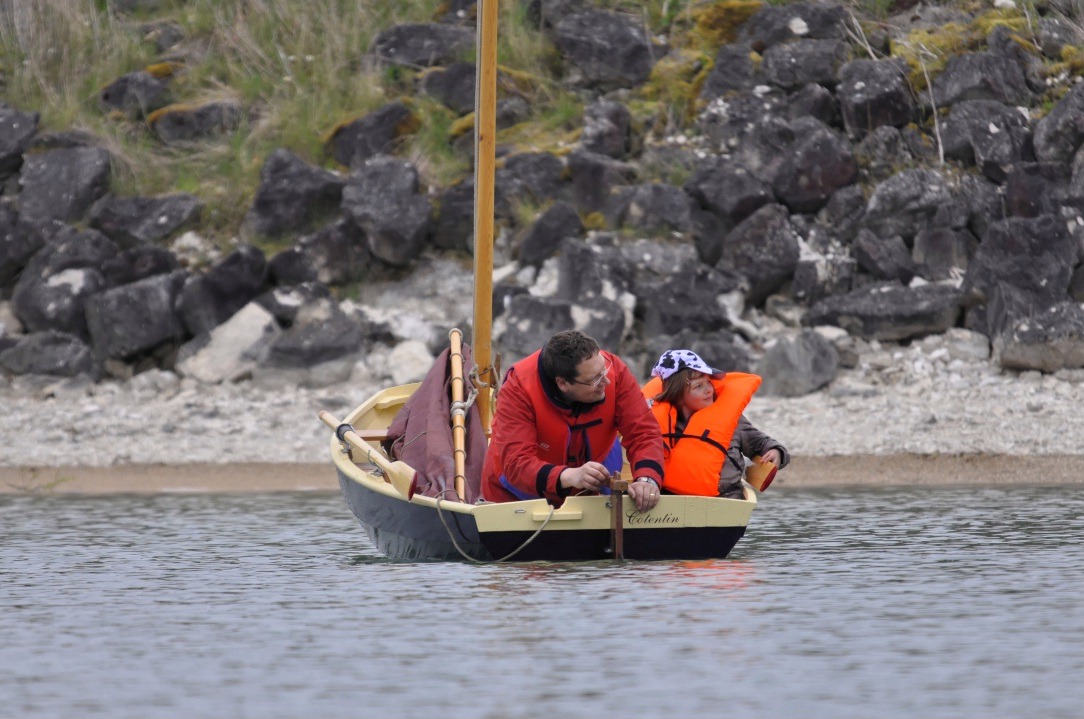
<point x="536" y="435"/>
<point x="694" y="458"/>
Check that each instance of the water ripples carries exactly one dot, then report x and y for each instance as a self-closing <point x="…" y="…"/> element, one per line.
<point x="933" y="602"/>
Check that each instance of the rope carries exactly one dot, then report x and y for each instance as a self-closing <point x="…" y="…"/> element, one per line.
<point x="506" y="557"/>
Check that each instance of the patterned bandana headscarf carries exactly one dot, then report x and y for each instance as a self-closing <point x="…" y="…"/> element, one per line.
<point x="676" y="360"/>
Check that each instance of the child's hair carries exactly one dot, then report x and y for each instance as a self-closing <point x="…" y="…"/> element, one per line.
<point x="673" y="387"/>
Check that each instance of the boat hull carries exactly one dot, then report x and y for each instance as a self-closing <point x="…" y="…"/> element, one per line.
<point x="423" y="528"/>
<point x="407" y="531"/>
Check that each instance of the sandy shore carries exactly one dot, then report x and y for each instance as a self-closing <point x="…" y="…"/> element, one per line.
<point x="805" y="472"/>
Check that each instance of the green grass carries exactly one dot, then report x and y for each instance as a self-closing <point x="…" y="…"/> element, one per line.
<point x="299" y="68"/>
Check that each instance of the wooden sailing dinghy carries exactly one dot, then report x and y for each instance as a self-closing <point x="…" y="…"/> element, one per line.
<point x="422" y="502"/>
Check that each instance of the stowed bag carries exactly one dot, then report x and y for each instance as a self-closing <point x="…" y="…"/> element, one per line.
<point x="421" y="434"/>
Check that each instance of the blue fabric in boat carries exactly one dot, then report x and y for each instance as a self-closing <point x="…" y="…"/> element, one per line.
<point x="421" y="434"/>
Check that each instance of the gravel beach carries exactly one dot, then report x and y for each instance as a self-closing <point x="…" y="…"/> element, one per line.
<point x="903" y="414"/>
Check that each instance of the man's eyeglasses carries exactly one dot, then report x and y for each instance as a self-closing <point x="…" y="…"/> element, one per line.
<point x="598" y="380"/>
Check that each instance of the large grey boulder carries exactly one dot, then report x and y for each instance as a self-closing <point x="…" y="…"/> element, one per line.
<point x="1061" y="132"/>
<point x="728" y="190"/>
<point x="761" y="147"/>
<point x="134" y="95"/>
<point x="873" y="93"/>
<point x="816" y="101"/>
<point x="322" y="333"/>
<point x="763" y="249"/>
<point x="732" y="71"/>
<point x="544" y="236"/>
<point x="795" y="366"/>
<point x="987" y="133"/>
<point x="886" y="258"/>
<point x="1036" y="255"/>
<point x="423" y="44"/>
<point x="232" y="350"/>
<point x="132" y="221"/>
<point x="734" y="121"/>
<point x="376" y="133"/>
<point x="653" y="208"/>
<point x="906" y="203"/>
<point x="63" y="184"/>
<point x="984" y="202"/>
<point x="18" y="243"/>
<point x="17" y="130"/>
<point x="288" y="302"/>
<point x="595" y="267"/>
<point x="794" y="64"/>
<point x="1036" y="188"/>
<point x="594" y="178"/>
<point x="185" y="124"/>
<point x="453" y="225"/>
<point x="817" y="164"/>
<point x="882" y="153"/>
<point x="50" y="353"/>
<point x="981" y="76"/>
<point x="336" y="254"/>
<point x="940" y="253"/>
<point x="138" y="263"/>
<point x="530" y="321"/>
<point x="1046" y="341"/>
<point x="534" y="177"/>
<point x="292" y="195"/>
<point x="127" y="320"/>
<point x="605" y="50"/>
<point x="52" y="289"/>
<point x="320" y="349"/>
<point x="842" y="215"/>
<point x="453" y="86"/>
<point x="822" y="272"/>
<point x="774" y="24"/>
<point x="889" y="311"/>
<point x="209" y="299"/>
<point x="382" y="197"/>
<point x="692" y="298"/>
<point x="606" y="128"/>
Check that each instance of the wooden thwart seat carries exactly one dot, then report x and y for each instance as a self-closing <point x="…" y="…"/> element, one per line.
<point x="378" y="434"/>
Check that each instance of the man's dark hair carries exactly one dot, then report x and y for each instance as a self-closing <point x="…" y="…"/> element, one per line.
<point x="564" y="352"/>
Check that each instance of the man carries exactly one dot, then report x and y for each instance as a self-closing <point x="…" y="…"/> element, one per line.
<point x="555" y="429"/>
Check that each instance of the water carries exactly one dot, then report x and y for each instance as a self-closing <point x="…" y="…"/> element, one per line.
<point x="944" y="602"/>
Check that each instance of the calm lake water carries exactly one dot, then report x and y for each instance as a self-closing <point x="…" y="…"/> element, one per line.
<point x="944" y="602"/>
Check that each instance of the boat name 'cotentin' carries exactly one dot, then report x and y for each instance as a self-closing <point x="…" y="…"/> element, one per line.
<point x="636" y="517"/>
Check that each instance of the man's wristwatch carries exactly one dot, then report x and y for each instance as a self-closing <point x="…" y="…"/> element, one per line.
<point x="648" y="479"/>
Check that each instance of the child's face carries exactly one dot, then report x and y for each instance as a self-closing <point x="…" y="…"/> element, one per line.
<point x="699" y="393"/>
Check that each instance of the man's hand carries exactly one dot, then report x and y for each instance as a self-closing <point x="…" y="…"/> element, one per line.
<point x="591" y="476"/>
<point x="644" y="493"/>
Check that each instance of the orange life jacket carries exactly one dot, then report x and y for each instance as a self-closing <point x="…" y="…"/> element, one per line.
<point x="693" y="466"/>
<point x="555" y="427"/>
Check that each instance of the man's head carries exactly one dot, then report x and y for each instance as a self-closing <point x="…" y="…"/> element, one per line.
<point x="573" y="360"/>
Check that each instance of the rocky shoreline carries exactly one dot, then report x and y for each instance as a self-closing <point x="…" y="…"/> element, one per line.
<point x="903" y="414"/>
<point x="822" y="176"/>
<point x="892" y="239"/>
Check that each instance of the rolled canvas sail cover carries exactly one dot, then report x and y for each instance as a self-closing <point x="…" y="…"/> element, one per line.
<point x="421" y="434"/>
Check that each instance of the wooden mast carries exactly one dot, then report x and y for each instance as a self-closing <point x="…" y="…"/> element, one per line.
<point x="485" y="131"/>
